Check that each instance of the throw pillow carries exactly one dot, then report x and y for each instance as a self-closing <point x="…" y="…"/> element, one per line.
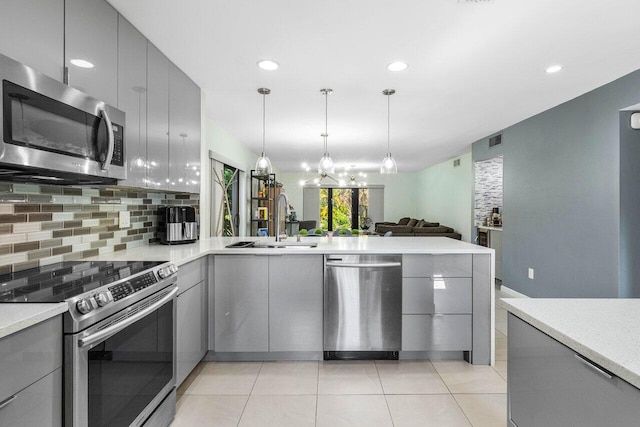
<point x="412" y="222"/>
<point x="404" y="221"/>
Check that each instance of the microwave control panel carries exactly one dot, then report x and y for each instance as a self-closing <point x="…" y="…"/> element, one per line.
<point x="118" y="145"/>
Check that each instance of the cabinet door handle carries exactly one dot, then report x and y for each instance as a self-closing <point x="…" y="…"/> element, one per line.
<point x="7" y="401"/>
<point x="594" y="367"/>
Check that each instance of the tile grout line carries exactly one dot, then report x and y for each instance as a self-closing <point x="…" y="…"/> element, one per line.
<point x="451" y="394"/>
<point x="249" y="396"/>
<point x="384" y="394"/>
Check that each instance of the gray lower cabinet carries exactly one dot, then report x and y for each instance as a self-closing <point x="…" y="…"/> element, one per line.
<point x="31" y="372"/>
<point x="445" y="265"/>
<point x="436" y="332"/>
<point x="32" y="32"/>
<point x="191" y="340"/>
<point x="91" y="34"/>
<point x="132" y="99"/>
<point x="551" y="385"/>
<point x="295" y="302"/>
<point x="157" y="118"/>
<point x="241" y="303"/>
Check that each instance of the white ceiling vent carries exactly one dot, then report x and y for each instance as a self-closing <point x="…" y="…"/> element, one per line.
<point x="456" y="163"/>
<point x="495" y="140"/>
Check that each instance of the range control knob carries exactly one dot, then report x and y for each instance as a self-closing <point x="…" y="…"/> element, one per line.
<point x="173" y="268"/>
<point x="104" y="298"/>
<point x="84" y="306"/>
<point x="164" y="273"/>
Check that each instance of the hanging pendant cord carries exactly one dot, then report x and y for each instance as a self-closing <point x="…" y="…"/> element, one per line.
<point x="326" y="119"/>
<point x="388" y="124"/>
<point x="264" y="100"/>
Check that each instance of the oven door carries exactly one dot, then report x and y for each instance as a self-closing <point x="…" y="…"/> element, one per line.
<point x="119" y="370"/>
<point x="48" y="125"/>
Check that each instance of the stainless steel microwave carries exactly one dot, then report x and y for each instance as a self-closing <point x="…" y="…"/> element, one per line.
<point x="54" y="133"/>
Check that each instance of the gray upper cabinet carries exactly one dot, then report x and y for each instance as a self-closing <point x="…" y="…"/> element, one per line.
<point x="184" y="132"/>
<point x="32" y="32"/>
<point x="157" y="118"/>
<point x="91" y="34"/>
<point x="132" y="99"/>
<point x="241" y="303"/>
<point x="295" y="302"/>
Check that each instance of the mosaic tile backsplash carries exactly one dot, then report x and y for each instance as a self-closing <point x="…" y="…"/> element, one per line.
<point x="45" y="224"/>
<point x="488" y="188"/>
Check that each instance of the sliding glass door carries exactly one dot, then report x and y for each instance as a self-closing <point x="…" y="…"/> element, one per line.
<point x="343" y="208"/>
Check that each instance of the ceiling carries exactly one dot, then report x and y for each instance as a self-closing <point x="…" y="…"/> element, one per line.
<point x="475" y="67"/>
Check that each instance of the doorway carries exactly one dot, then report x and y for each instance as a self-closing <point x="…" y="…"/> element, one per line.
<point x="343" y="208"/>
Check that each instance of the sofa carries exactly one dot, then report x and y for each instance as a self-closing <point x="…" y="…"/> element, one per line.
<point x="413" y="227"/>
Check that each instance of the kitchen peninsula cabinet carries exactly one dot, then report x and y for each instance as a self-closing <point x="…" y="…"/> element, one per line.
<point x="192" y="317"/>
<point x="268" y="303"/>
<point x="31" y="372"/>
<point x="32" y="32"/>
<point x="132" y="99"/>
<point x="295" y="302"/>
<point x="241" y="303"/>
<point x="91" y="34"/>
<point x="550" y="384"/>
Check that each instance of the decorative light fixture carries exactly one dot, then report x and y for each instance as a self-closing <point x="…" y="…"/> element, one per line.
<point x="326" y="166"/>
<point x="263" y="164"/>
<point x="389" y="165"/>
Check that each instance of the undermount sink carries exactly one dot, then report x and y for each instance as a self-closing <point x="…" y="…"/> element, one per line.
<point x="301" y="245"/>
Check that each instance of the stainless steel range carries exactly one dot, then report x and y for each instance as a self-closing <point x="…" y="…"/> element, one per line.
<point x="119" y="337"/>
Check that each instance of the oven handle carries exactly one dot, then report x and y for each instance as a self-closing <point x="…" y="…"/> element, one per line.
<point x="111" y="138"/>
<point x="114" y="329"/>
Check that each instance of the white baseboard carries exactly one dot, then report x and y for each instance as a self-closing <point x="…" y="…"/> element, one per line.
<point x="511" y="292"/>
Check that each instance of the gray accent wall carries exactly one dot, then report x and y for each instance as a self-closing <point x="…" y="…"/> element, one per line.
<point x="629" y="207"/>
<point x="562" y="195"/>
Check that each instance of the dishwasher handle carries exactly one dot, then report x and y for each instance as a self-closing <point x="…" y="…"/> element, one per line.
<point x="369" y="265"/>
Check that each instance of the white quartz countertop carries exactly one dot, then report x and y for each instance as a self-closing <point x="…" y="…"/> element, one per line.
<point x="182" y="254"/>
<point x="606" y="331"/>
<point x="15" y="317"/>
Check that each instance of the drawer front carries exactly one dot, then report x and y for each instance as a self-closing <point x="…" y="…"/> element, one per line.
<point x="453" y="265"/>
<point x="436" y="333"/>
<point x="437" y="265"/>
<point x="417" y="265"/>
<point x="40" y="404"/>
<point x="29" y="355"/>
<point x="550" y="386"/>
<point x="192" y="273"/>
<point x="436" y="296"/>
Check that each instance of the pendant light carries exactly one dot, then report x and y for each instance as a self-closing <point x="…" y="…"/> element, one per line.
<point x="263" y="164"/>
<point x="326" y="166"/>
<point x="389" y="165"/>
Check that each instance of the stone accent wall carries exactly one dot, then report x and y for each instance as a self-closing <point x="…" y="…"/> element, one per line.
<point x="488" y="188"/>
<point x="45" y="224"/>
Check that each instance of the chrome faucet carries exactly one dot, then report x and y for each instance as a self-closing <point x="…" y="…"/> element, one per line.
<point x="277" y="211"/>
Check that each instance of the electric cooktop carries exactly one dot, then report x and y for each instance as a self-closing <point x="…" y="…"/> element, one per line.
<point x="58" y="282"/>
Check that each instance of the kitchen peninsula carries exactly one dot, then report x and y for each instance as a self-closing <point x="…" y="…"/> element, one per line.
<point x="266" y="303"/>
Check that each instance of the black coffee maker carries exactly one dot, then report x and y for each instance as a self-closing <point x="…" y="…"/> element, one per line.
<point x="177" y="225"/>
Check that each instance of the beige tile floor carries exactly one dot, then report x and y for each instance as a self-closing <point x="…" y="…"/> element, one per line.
<point x="350" y="394"/>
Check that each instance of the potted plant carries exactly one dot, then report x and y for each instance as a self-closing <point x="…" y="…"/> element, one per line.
<point x="303" y="232"/>
<point x="355" y="232"/>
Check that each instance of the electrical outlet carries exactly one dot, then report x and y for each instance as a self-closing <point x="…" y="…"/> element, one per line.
<point x="124" y="219"/>
<point x="531" y="273"/>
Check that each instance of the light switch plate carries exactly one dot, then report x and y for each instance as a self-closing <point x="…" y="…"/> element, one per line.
<point x="531" y="273"/>
<point x="635" y="121"/>
<point x="124" y="219"/>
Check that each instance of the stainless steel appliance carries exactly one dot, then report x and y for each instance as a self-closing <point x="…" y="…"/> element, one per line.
<point x="177" y="225"/>
<point x="54" y="133"/>
<point x="119" y="337"/>
<point x="362" y="306"/>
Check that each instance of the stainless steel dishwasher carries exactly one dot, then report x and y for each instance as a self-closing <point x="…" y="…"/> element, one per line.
<point x="362" y="306"/>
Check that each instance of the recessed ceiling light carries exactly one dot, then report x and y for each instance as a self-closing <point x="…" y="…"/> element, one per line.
<point x="268" y="64"/>
<point x="553" y="69"/>
<point x="304" y="165"/>
<point x="397" y="66"/>
<point x="81" y="63"/>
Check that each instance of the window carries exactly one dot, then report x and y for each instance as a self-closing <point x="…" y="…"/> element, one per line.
<point x="343" y="208"/>
<point x="231" y="201"/>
